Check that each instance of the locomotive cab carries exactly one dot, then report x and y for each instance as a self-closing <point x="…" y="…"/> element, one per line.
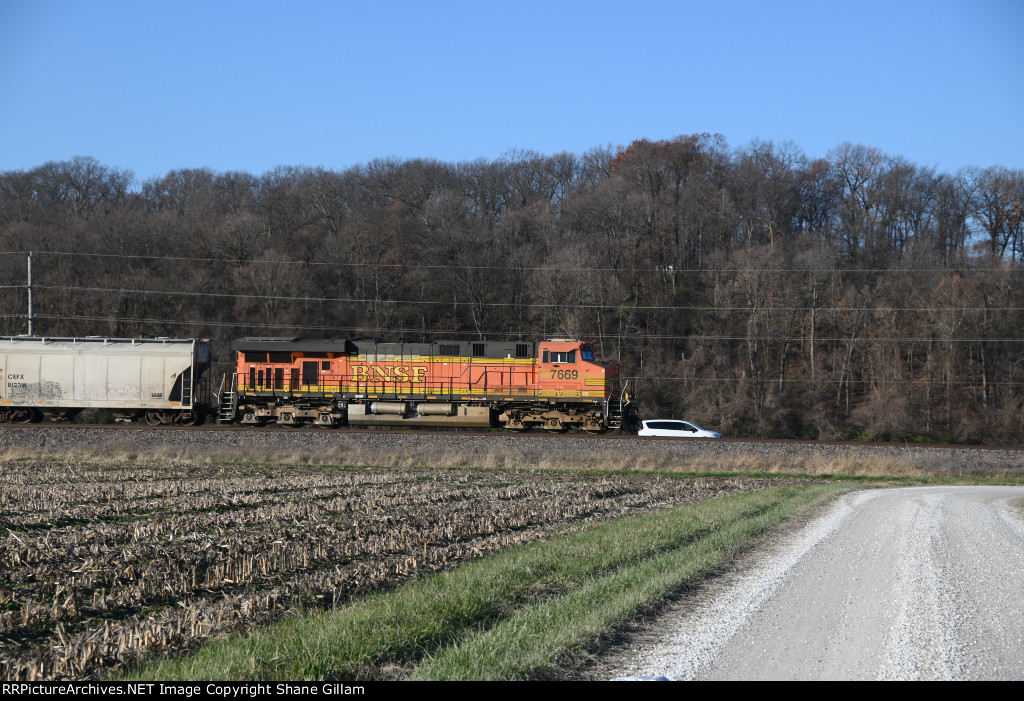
<point x="574" y="387"/>
<point x="569" y="369"/>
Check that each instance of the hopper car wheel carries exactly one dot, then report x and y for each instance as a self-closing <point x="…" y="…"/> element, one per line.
<point x="22" y="416"/>
<point x="153" y="417"/>
<point x="187" y="419"/>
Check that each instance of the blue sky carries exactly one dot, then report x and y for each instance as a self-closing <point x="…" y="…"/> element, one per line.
<point x="251" y="85"/>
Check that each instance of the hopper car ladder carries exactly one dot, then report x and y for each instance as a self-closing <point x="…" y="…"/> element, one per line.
<point x="186" y="388"/>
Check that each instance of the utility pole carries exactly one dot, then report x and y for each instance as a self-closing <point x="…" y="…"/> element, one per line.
<point x="31" y="316"/>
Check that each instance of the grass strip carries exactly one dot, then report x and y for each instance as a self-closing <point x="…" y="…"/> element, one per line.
<point x="531" y="641"/>
<point x="596" y="577"/>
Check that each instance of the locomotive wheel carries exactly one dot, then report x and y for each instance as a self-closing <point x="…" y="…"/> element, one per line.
<point x="250" y="419"/>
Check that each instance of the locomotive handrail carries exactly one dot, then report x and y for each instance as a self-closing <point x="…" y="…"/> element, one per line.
<point x="220" y="391"/>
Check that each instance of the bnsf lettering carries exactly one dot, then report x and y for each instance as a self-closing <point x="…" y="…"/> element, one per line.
<point x="397" y="373"/>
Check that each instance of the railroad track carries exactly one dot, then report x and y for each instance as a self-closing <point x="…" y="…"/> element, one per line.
<point x="497" y="433"/>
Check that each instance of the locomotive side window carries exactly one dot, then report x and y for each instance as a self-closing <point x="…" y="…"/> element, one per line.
<point x="568" y="357"/>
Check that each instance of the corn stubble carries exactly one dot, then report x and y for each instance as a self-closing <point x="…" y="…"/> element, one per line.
<point x="102" y="565"/>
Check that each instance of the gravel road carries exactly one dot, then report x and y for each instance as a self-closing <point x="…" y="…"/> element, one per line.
<point x="915" y="583"/>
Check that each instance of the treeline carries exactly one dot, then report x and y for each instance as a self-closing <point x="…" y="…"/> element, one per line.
<point x="754" y="290"/>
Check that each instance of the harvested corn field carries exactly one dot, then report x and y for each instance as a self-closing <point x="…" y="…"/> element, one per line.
<point x="102" y="565"/>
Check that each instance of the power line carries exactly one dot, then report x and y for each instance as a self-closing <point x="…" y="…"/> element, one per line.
<point x="866" y="341"/>
<point x="234" y="324"/>
<point x="527" y="305"/>
<point x="823" y="381"/>
<point x="660" y="269"/>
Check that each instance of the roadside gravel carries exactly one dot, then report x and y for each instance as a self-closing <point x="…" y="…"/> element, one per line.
<point x="908" y="584"/>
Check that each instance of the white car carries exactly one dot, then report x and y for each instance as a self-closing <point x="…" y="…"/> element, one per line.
<point x="673" y="428"/>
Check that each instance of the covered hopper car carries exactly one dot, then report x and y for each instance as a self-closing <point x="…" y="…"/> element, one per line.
<point x="555" y="384"/>
<point x="159" y="380"/>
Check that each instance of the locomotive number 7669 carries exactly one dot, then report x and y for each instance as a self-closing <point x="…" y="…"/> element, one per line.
<point x="565" y="374"/>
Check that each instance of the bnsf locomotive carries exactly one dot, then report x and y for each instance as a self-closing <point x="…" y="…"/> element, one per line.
<point x="556" y="384"/>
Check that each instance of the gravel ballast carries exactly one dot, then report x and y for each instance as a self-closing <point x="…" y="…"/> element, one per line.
<point x="491" y="449"/>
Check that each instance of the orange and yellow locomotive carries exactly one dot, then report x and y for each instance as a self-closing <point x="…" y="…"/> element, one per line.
<point x="555" y="384"/>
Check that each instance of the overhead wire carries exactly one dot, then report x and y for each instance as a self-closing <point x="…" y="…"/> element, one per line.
<point x="528" y="305"/>
<point x="661" y="270"/>
<point x="617" y="337"/>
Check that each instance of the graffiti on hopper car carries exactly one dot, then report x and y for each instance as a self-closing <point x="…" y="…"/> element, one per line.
<point x="47" y="390"/>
